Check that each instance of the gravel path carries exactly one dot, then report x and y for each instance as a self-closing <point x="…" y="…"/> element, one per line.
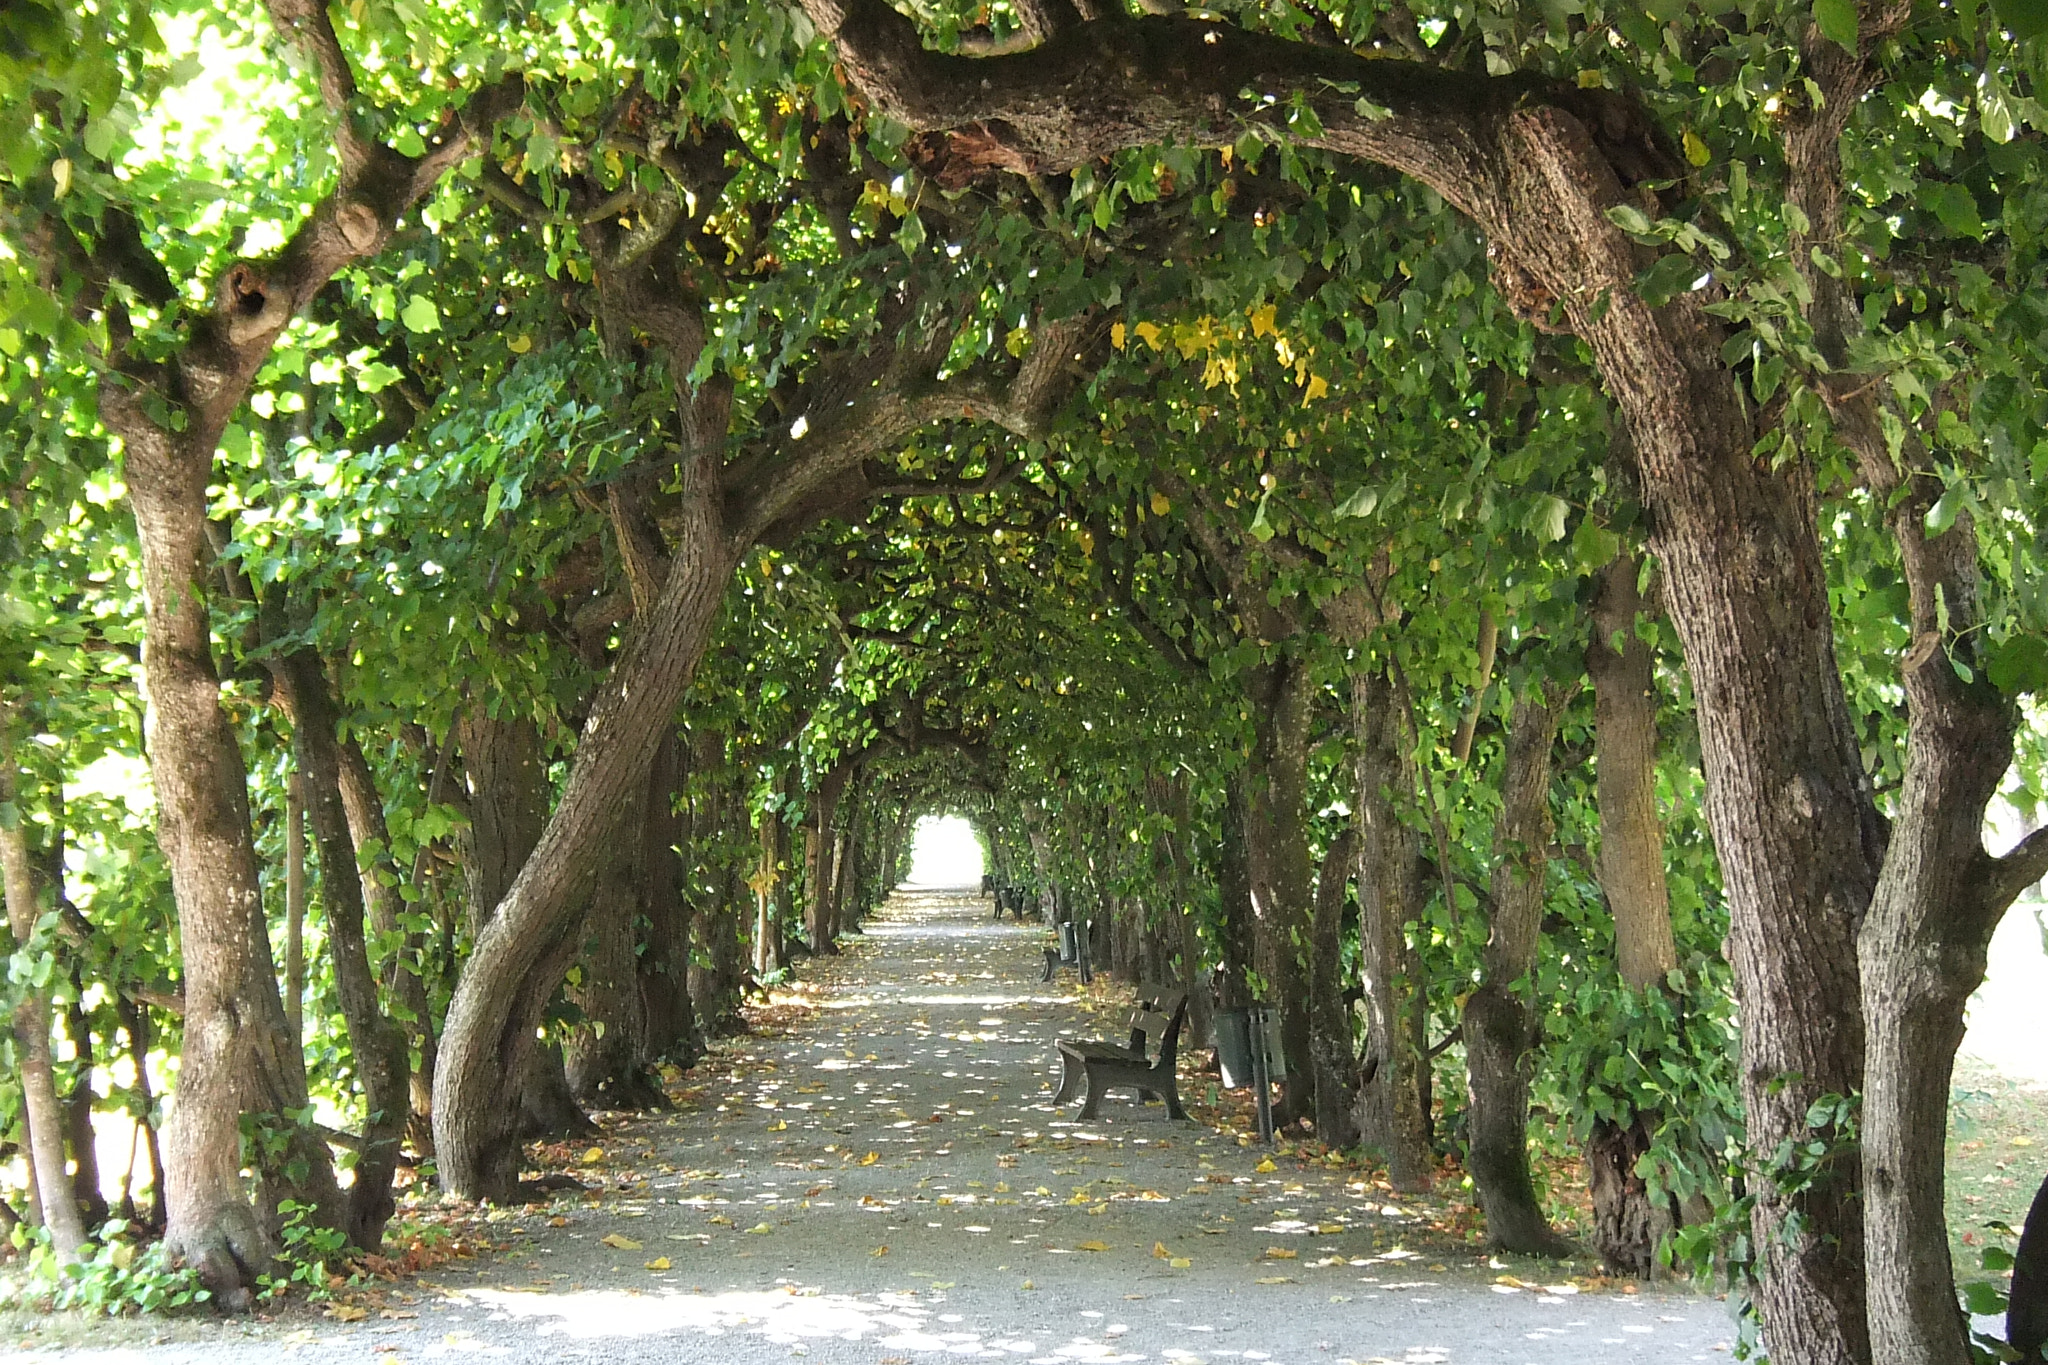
<point x="886" y="1183"/>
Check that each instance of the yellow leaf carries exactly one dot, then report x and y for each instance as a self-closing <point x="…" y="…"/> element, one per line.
<point x="1317" y="387"/>
<point x="1266" y="1167"/>
<point x="1116" y="335"/>
<point x="1159" y="1250"/>
<point x="1590" y="80"/>
<point x="2023" y="1141"/>
<point x="60" y="172"/>
<point x="658" y="1263"/>
<point x="779" y="1126"/>
<point x="593" y="1156"/>
<point x="720" y="1220"/>
<point x="1329" y="1227"/>
<point x="761" y="1228"/>
<point x="1027" y="1285"/>
<point x="1161" y="504"/>
<point x="347" y="1312"/>
<point x="879" y="1251"/>
<point x="1148" y="333"/>
<point x="871" y="1158"/>
<point x="1271" y="1279"/>
<point x="1180" y="1263"/>
<point x="1695" y="150"/>
<point x="619" y="1241"/>
<point x="1092" y="1246"/>
<point x="1262" y="320"/>
<point x="1281" y="1254"/>
<point x="520" y="344"/>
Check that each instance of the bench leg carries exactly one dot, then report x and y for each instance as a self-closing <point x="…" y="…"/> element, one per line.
<point x="1071" y="1068"/>
<point x="1173" y="1109"/>
<point x="1092" y="1104"/>
<point x="1052" y="964"/>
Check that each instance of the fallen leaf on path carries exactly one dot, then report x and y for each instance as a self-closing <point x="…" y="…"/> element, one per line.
<point x="658" y="1263"/>
<point x="871" y="1158"/>
<point x="346" y="1312"/>
<point x="761" y="1227"/>
<point x="1272" y="1279"/>
<point x="1180" y="1263"/>
<point x="619" y="1242"/>
<point x="1281" y="1254"/>
<point x="1159" y="1250"/>
<point x="879" y="1251"/>
<point x="1266" y="1167"/>
<point x="1092" y="1246"/>
<point x="593" y="1156"/>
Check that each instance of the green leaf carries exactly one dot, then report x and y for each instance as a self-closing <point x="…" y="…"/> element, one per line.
<point x="2019" y="665"/>
<point x="376" y="376"/>
<point x="1594" y="546"/>
<point x="1629" y="218"/>
<point x="1956" y="207"/>
<point x="1983" y="1298"/>
<point x="2023" y="19"/>
<point x="1261" y="529"/>
<point x="1546" y="519"/>
<point x="420" y="315"/>
<point x="1665" y="280"/>
<point x="1942" y="515"/>
<point x="1837" y="20"/>
<point x="1359" y="504"/>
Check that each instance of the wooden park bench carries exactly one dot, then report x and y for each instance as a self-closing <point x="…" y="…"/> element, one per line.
<point x="1146" y="1062"/>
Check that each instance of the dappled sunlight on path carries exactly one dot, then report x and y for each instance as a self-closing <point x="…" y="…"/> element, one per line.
<point x="887" y="1181"/>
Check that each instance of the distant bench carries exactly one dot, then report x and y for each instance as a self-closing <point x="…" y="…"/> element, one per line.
<point x="1146" y="1063"/>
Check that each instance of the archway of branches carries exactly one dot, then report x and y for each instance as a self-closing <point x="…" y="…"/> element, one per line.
<point x="1493" y="534"/>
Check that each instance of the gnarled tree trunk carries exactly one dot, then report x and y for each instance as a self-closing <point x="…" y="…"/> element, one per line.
<point x="673" y="1034"/>
<point x="1281" y="696"/>
<point x="1499" y="1027"/>
<point x="1393" y="1104"/>
<point x="604" y="1054"/>
<point x="377" y="1044"/>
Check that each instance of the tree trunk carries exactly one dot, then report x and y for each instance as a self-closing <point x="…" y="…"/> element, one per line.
<point x="86" y="1185"/>
<point x="604" y="1053"/>
<point x="1923" y="945"/>
<point x="1627" y="1226"/>
<point x="1277" y="861"/>
<point x="1393" y="1104"/>
<point x="1330" y="1046"/>
<point x="42" y="1115"/>
<point x="2026" y="1310"/>
<point x="1234" y="937"/>
<point x="672" y="1031"/>
<point x="238" y="1058"/>
<point x="1499" y="1029"/>
<point x="377" y="1045"/>
<point x="295" y="909"/>
<point x="821" y="846"/>
<point x="404" y="985"/>
<point x="1625" y="774"/>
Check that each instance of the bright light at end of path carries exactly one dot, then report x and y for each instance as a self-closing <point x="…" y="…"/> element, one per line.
<point x="944" y="852"/>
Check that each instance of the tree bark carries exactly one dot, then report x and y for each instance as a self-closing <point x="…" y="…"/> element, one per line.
<point x="673" y="1034"/>
<point x="1625" y="776"/>
<point x="1277" y="861"/>
<point x="820" y="848"/>
<point x="238" y="1056"/>
<point x="42" y="1115"/>
<point x="1330" y="1046"/>
<point x="295" y="908"/>
<point x="506" y="773"/>
<point x="404" y="985"/>
<point x="1393" y="1106"/>
<point x="605" y="1053"/>
<point x="1499" y="1027"/>
<point x="377" y="1044"/>
<point x="1924" y="943"/>
<point x="2026" y="1310"/>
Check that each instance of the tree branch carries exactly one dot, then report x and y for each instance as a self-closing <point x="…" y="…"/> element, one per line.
<point x="2023" y="865"/>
